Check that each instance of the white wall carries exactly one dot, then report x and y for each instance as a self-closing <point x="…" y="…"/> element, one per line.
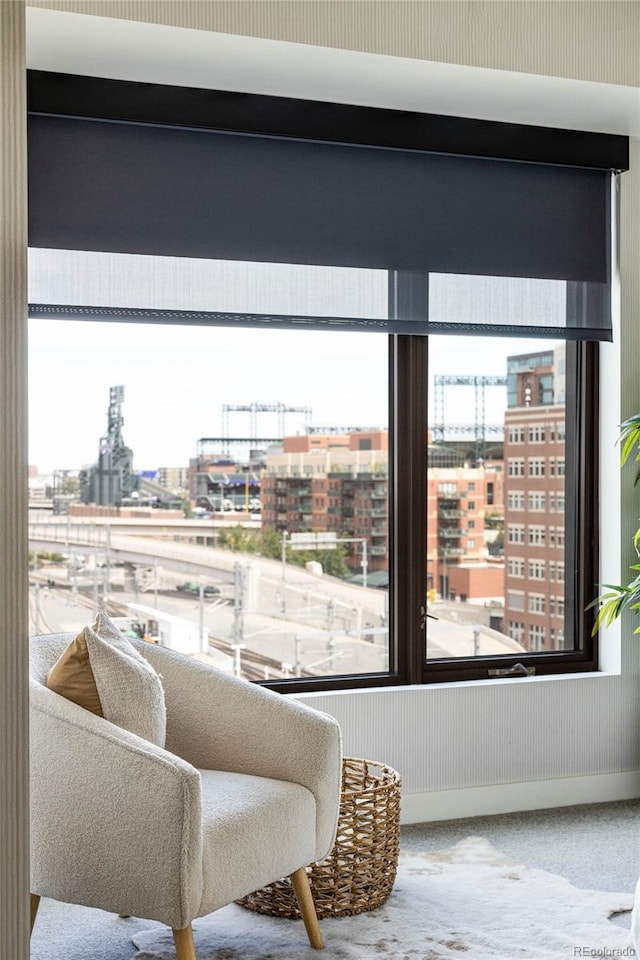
<point x="460" y="749"/>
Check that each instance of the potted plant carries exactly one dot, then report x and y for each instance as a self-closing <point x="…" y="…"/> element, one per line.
<point x="618" y="598"/>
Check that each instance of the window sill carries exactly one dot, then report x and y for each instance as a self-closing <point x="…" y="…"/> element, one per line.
<point x="461" y="685"/>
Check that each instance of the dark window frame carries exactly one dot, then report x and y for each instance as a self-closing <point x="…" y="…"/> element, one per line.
<point x="61" y="95"/>
<point x="408" y="425"/>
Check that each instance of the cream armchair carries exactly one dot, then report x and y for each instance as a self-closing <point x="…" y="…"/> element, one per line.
<point x="246" y="791"/>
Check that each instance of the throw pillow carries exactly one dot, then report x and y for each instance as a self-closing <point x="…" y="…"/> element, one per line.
<point x="103" y="672"/>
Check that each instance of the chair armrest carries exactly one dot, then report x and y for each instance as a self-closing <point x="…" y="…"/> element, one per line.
<point x="116" y="821"/>
<point x="216" y="721"/>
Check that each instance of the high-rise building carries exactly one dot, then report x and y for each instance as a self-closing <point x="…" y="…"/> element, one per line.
<point x="534" y="454"/>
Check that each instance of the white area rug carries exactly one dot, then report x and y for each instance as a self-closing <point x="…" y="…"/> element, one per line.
<point x="469" y="900"/>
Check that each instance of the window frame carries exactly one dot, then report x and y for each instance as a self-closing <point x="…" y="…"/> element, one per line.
<point x="408" y="354"/>
<point x="581" y="540"/>
<point x="408" y="425"/>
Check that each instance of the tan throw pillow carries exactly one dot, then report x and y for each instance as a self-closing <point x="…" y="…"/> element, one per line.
<point x="103" y="672"/>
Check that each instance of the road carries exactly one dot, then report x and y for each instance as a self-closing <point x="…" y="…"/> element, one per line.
<point x="301" y="622"/>
<point x="314" y="638"/>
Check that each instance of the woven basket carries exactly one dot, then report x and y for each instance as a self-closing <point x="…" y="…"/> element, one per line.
<point x="360" y="871"/>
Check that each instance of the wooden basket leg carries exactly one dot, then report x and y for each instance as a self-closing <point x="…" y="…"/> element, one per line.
<point x="302" y="890"/>
<point x="35" y="903"/>
<point x="185" y="947"/>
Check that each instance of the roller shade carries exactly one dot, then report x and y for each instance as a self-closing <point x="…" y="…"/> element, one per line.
<point x="113" y="171"/>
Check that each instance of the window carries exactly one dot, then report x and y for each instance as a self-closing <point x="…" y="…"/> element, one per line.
<point x="515" y="533"/>
<point x="536" y="636"/>
<point x="269" y="492"/>
<point x="515" y="599"/>
<point x="536" y="569"/>
<point x="537" y="535"/>
<point x="505" y="323"/>
<point x="537" y="602"/>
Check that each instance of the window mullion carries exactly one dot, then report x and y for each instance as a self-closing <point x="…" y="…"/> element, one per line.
<point x="409" y="536"/>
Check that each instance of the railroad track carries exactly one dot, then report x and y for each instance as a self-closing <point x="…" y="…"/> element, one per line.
<point x="254" y="666"/>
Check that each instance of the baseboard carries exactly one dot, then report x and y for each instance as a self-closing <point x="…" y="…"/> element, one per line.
<point x="515" y="797"/>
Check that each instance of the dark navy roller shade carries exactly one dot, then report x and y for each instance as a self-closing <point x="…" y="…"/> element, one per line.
<point x="130" y="188"/>
<point x="113" y="169"/>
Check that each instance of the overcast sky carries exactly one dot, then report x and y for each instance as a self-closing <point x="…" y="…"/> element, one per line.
<point x="176" y="380"/>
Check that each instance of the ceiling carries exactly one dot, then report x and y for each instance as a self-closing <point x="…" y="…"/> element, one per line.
<point x="129" y="50"/>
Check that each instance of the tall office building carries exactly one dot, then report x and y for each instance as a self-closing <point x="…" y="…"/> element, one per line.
<point x="534" y="454"/>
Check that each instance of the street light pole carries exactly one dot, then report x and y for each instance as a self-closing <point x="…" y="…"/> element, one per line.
<point x="201" y="618"/>
<point x="296" y="656"/>
<point x="283" y="603"/>
<point x="37" y="607"/>
<point x="238" y="604"/>
<point x="364" y="562"/>
<point x="155" y="582"/>
<point x="445" y="575"/>
<point x="106" y="575"/>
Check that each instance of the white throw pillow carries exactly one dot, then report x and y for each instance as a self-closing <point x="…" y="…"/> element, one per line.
<point x="104" y="673"/>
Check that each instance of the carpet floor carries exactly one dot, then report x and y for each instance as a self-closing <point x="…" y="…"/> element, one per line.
<point x="595" y="848"/>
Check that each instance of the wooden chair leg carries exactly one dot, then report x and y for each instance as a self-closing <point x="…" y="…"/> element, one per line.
<point x="35" y="903"/>
<point x="302" y="890"/>
<point x="185" y="947"/>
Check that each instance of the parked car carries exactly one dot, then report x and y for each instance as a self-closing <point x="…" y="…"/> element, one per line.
<point x="209" y="589"/>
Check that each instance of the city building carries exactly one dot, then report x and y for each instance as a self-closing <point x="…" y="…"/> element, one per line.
<point x="218" y="483"/>
<point x="535" y="499"/>
<point x="464" y="520"/>
<point x="339" y="482"/>
<point x="173" y="479"/>
<point x="332" y="482"/>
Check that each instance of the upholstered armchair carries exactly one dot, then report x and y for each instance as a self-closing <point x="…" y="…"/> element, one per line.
<point x="245" y="791"/>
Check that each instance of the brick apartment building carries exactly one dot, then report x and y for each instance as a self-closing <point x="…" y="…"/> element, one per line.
<point x="340" y="483"/>
<point x="534" y="499"/>
<point x="459" y="502"/>
<point x="332" y="483"/>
